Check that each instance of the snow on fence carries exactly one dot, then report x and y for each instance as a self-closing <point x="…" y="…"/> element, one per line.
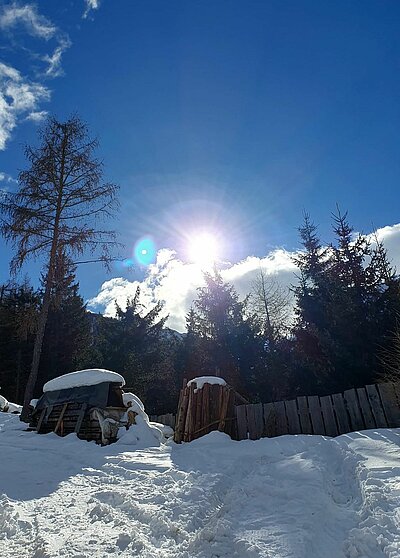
<point x="372" y="406"/>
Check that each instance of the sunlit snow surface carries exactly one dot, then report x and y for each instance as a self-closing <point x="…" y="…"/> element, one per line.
<point x="293" y="496"/>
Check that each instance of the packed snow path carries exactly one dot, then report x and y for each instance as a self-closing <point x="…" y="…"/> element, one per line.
<point x="293" y="496"/>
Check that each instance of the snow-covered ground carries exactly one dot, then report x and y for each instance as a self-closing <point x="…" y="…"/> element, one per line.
<point x="293" y="496"/>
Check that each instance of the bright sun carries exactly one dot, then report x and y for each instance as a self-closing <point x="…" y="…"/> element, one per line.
<point x="203" y="249"/>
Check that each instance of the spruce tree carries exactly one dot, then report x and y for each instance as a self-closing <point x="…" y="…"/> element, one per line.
<point x="67" y="334"/>
<point x="227" y="335"/>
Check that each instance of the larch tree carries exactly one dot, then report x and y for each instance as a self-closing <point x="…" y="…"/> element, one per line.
<point x="58" y="209"/>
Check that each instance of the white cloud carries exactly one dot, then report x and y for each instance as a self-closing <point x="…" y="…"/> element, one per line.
<point x="18" y="97"/>
<point x="390" y="236"/>
<point x="4" y="177"/>
<point x="21" y="95"/>
<point x="27" y="16"/>
<point x="175" y="282"/>
<point x="54" y="68"/>
<point x="91" y="5"/>
<point x="37" y="116"/>
<point x="35" y="24"/>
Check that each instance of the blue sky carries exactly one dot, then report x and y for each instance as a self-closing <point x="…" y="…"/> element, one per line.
<point x="220" y="115"/>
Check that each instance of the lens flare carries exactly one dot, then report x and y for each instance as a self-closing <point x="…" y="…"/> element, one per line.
<point x="145" y="251"/>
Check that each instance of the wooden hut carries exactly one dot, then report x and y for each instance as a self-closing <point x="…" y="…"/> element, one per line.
<point x="88" y="402"/>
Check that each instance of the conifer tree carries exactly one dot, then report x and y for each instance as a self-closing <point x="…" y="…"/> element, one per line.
<point x="347" y="300"/>
<point x="19" y="307"/>
<point x="226" y="334"/>
<point x="67" y="334"/>
<point x="134" y="345"/>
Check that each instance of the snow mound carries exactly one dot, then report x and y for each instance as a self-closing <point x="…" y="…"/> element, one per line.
<point x="167" y="431"/>
<point x="3" y="404"/>
<point x="8" y="407"/>
<point x="90" y="377"/>
<point x="133" y="402"/>
<point x="142" y="434"/>
<point x="14" y="407"/>
<point x="212" y="380"/>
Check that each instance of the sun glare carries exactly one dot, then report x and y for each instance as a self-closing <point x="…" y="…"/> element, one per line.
<point x="203" y="249"/>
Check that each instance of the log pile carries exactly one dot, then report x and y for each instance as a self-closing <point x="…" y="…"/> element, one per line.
<point x="201" y="411"/>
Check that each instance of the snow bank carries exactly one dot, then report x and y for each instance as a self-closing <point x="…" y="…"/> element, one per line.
<point x="89" y="377"/>
<point x="212" y="380"/>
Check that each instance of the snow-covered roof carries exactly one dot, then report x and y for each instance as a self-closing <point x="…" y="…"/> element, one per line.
<point x="213" y="380"/>
<point x="89" y="377"/>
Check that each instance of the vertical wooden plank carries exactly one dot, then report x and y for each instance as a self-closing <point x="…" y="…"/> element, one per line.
<point x="197" y="402"/>
<point x="316" y="415"/>
<point x="206" y="415"/>
<point x="353" y="409"/>
<point x="365" y="407"/>
<point x="328" y="415"/>
<point x="60" y="417"/>
<point x="181" y="418"/>
<point x="390" y="405"/>
<point x="396" y="386"/>
<point x="230" y="427"/>
<point x="255" y="420"/>
<point x="376" y="406"/>
<point x="304" y="415"/>
<point x="241" y="422"/>
<point x="281" y="420"/>
<point x="224" y="408"/>
<point x="270" y="428"/>
<point x="80" y="418"/>
<point x="293" y="417"/>
<point x="342" y="418"/>
<point x="40" y="422"/>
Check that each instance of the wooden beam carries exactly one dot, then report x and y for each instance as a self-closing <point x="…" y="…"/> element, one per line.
<point x="61" y="417"/>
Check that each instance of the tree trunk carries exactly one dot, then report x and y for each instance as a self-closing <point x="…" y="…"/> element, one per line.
<point x="19" y="372"/>
<point x="37" y="349"/>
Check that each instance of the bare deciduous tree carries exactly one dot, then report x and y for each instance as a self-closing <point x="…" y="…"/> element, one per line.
<point x="270" y="301"/>
<point x="57" y="210"/>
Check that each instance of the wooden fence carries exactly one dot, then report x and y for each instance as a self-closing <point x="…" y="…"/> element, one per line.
<point x="168" y="419"/>
<point x="373" y="406"/>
